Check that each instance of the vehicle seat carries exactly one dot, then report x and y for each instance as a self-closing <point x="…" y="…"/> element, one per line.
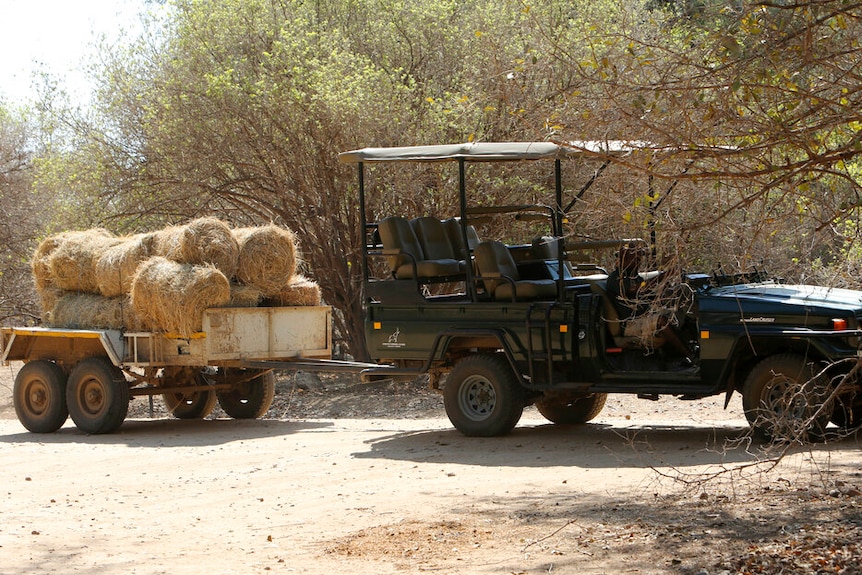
<point x="434" y="238"/>
<point x="405" y="255"/>
<point x="500" y="275"/>
<point x="546" y="248"/>
<point x="453" y="229"/>
<point x="616" y="326"/>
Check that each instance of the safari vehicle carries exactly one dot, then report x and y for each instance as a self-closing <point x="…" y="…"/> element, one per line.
<point x="527" y="324"/>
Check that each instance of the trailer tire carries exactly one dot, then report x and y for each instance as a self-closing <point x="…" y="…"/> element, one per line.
<point x="191" y="404"/>
<point x="40" y="396"/>
<point x="783" y="400"/>
<point x="250" y="399"/>
<point x="571" y="410"/>
<point x="482" y="396"/>
<point x="97" y="395"/>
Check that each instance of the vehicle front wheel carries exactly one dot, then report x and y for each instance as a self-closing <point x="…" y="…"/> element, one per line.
<point x="571" y="409"/>
<point x="783" y="399"/>
<point x="249" y="399"/>
<point x="39" y="395"/>
<point x="97" y="395"/>
<point x="482" y="396"/>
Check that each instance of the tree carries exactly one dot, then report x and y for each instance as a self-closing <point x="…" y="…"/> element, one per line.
<point x="240" y="109"/>
<point x="765" y="94"/>
<point x="21" y="222"/>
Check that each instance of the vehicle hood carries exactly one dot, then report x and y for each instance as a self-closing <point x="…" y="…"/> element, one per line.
<point x="782" y="298"/>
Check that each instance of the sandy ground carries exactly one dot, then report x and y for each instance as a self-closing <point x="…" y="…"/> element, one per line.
<point x="404" y="495"/>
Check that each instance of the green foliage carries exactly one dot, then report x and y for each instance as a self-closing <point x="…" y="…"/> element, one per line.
<point x="239" y="108"/>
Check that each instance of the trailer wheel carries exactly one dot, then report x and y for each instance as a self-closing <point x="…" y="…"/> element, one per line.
<point x="40" y="396"/>
<point x="250" y="399"/>
<point x="482" y="396"/>
<point x="572" y="409"/>
<point x="189" y="404"/>
<point x="97" y="395"/>
<point x="783" y="399"/>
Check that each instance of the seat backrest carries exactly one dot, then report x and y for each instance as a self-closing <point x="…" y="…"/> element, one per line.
<point x="397" y="234"/>
<point x="453" y="229"/>
<point x="493" y="258"/>
<point x="434" y="239"/>
<point x="546" y="248"/>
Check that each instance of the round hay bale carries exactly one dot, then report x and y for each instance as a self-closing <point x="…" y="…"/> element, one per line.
<point x="301" y="291"/>
<point x="200" y="242"/>
<point x="92" y="311"/>
<point x="171" y="297"/>
<point x="244" y="296"/>
<point x="267" y="257"/>
<point x="73" y="261"/>
<point x="116" y="266"/>
<point x="40" y="263"/>
<point x="41" y="260"/>
<point x="48" y="297"/>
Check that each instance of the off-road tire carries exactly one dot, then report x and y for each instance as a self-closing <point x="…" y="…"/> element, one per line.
<point x="571" y="410"/>
<point x="482" y="396"/>
<point x="781" y="396"/>
<point x="39" y="395"/>
<point x="191" y="404"/>
<point x="97" y="396"/>
<point x="250" y="399"/>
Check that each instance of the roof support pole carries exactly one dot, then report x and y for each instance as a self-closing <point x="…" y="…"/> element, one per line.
<point x="462" y="198"/>
<point x="364" y="224"/>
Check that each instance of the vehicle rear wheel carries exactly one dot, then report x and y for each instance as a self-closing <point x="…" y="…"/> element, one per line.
<point x="189" y="404"/>
<point x="783" y="399"/>
<point x="482" y="396"/>
<point x="97" y="395"/>
<point x="39" y="396"/>
<point x="571" y="409"/>
<point x="249" y="399"/>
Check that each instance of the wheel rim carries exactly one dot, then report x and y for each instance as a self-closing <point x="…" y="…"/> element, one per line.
<point x="37" y="397"/>
<point x="477" y="398"/>
<point x="786" y="405"/>
<point x="186" y="399"/>
<point x="91" y="397"/>
<point x="785" y="397"/>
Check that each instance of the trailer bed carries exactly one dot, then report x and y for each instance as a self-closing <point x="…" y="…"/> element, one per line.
<point x="229" y="336"/>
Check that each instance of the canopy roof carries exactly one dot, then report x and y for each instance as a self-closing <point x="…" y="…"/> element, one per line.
<point x="490" y="151"/>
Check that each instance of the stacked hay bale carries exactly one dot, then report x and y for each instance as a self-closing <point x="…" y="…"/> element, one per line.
<point x="171" y="296"/>
<point x="164" y="280"/>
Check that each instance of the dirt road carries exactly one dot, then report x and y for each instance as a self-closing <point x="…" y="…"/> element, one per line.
<point x="372" y="496"/>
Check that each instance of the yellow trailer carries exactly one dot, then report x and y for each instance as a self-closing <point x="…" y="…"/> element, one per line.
<point x="91" y="375"/>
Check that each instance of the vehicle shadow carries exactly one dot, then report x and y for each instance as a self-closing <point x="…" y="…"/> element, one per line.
<point x="171" y="432"/>
<point x="586" y="446"/>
